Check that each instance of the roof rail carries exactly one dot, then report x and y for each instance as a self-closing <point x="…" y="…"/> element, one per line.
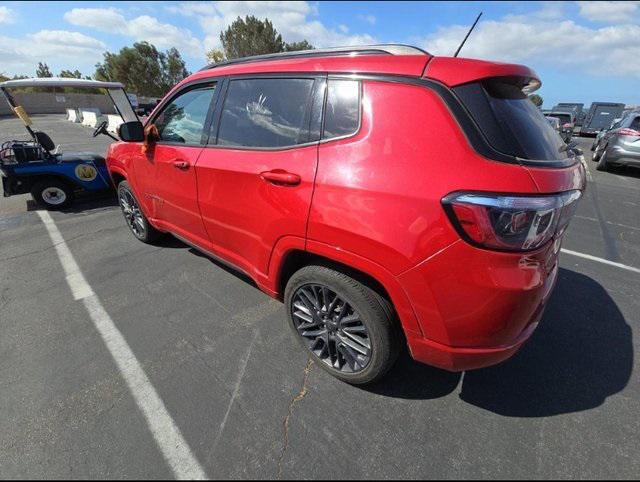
<point x="381" y="49"/>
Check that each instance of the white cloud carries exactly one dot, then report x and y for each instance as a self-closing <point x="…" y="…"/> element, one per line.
<point x="370" y="19"/>
<point x="535" y="40"/>
<point x="609" y="12"/>
<point x="6" y="15"/>
<point x="58" y="48"/>
<point x="294" y="21"/>
<point x="143" y="27"/>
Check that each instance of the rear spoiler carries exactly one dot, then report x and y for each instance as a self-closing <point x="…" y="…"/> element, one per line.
<point x="453" y="71"/>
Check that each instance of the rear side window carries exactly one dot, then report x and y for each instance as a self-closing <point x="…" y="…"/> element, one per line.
<point x="183" y="119"/>
<point x="266" y="113"/>
<point x="510" y="122"/>
<point x="342" y="114"/>
<point x="635" y="124"/>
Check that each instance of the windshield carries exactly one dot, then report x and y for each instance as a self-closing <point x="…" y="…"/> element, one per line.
<point x="123" y="105"/>
<point x="511" y="123"/>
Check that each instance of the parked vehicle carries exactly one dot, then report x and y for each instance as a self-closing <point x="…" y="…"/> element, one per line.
<point x="37" y="166"/>
<point x="600" y="116"/>
<point x="385" y="195"/>
<point x="620" y="145"/>
<point x="602" y="132"/>
<point x="566" y="124"/>
<point x="577" y="109"/>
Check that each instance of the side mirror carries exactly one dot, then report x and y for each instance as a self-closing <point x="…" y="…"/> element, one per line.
<point x="131" y="131"/>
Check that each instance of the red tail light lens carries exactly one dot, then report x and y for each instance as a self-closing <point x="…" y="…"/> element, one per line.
<point x="567" y="126"/>
<point x="507" y="222"/>
<point x="629" y="132"/>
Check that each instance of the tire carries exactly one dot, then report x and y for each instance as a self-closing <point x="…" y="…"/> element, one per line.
<point x="602" y="162"/>
<point x="133" y="215"/>
<point x="360" y="312"/>
<point x="52" y="194"/>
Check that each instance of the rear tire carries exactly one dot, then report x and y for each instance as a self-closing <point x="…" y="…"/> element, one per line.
<point x="52" y="194"/>
<point x="136" y="220"/>
<point x="356" y="338"/>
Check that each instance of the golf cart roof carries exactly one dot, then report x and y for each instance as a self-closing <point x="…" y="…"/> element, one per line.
<point x="60" y="82"/>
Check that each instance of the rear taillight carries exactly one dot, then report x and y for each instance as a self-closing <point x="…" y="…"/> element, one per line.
<point x="629" y="132"/>
<point x="510" y="222"/>
<point x="567" y="125"/>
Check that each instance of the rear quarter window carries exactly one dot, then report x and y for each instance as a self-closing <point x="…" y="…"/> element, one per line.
<point x="510" y="122"/>
<point x="342" y="112"/>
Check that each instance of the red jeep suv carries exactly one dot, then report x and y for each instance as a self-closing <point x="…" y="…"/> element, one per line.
<point x="387" y="196"/>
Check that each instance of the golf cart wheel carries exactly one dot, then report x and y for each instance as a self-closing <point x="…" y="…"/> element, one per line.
<point x="347" y="328"/>
<point x="133" y="215"/>
<point x="602" y="161"/>
<point x="52" y="194"/>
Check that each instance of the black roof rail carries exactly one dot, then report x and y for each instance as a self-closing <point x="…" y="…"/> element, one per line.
<point x="381" y="49"/>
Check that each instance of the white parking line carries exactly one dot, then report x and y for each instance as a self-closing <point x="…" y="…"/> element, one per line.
<point x="601" y="260"/>
<point x="167" y="435"/>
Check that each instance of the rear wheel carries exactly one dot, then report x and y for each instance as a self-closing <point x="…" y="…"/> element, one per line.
<point x="133" y="215"/>
<point x="348" y="329"/>
<point x="52" y="194"/>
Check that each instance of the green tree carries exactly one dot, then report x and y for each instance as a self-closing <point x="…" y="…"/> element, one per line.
<point x="251" y="37"/>
<point x="174" y="69"/>
<point x="70" y="74"/>
<point x="43" y="70"/>
<point x="3" y="77"/>
<point x="302" y="45"/>
<point x="536" y="99"/>
<point x="143" y="69"/>
<point x="215" y="56"/>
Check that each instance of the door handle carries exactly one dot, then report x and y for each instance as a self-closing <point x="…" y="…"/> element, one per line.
<point x="281" y="177"/>
<point x="182" y="165"/>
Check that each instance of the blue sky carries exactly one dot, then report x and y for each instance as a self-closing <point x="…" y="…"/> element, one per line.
<point x="583" y="51"/>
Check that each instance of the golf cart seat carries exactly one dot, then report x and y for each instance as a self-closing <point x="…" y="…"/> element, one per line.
<point x="81" y="156"/>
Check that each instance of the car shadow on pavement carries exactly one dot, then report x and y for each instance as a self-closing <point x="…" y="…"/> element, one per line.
<point x="581" y="354"/>
<point x="626" y="171"/>
<point x="83" y="202"/>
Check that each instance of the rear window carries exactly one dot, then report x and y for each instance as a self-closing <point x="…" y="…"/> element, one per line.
<point x="510" y="122"/>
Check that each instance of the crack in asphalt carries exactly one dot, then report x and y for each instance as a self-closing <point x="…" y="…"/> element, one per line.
<point x="52" y="246"/>
<point x="285" y="424"/>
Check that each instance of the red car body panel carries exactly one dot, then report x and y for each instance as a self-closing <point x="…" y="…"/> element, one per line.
<point x="371" y="201"/>
<point x="245" y="215"/>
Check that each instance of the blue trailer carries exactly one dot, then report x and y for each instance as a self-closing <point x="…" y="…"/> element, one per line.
<point x="34" y="165"/>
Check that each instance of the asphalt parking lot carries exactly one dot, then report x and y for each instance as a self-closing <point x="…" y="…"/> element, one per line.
<point x="242" y="393"/>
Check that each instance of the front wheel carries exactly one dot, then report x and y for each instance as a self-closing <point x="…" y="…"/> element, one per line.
<point x="602" y="161"/>
<point x="52" y="194"/>
<point x="133" y="215"/>
<point x="347" y="328"/>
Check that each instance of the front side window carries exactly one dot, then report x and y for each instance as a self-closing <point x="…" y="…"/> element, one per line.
<point x="266" y="113"/>
<point x="183" y="119"/>
<point x="342" y="114"/>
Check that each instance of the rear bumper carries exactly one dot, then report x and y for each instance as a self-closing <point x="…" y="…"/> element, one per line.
<point x="458" y="359"/>
<point x="476" y="308"/>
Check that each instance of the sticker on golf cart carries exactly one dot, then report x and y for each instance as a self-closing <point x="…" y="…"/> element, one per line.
<point x="86" y="172"/>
